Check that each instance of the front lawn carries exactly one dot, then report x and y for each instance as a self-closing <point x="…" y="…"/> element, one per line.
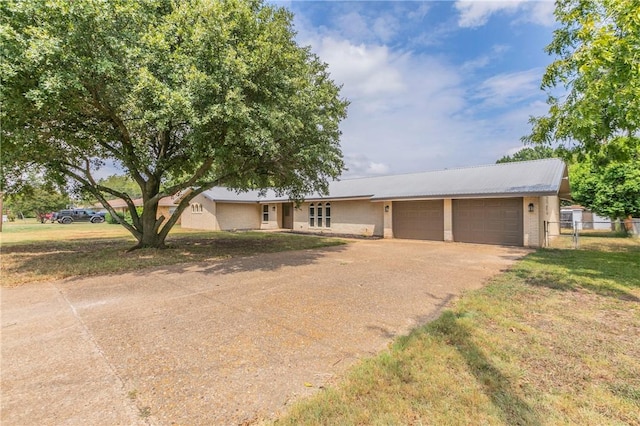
<point x="555" y="340"/>
<point x="34" y="252"/>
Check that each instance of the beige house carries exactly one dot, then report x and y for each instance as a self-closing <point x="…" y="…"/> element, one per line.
<point x="507" y="204"/>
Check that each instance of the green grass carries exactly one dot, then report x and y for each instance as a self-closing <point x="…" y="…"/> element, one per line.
<point x="34" y="252"/>
<point x="555" y="340"/>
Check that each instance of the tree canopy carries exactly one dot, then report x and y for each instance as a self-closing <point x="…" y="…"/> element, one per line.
<point x="188" y="94"/>
<point x="529" y="153"/>
<point x="120" y="183"/>
<point x="597" y="75"/>
<point x="611" y="190"/>
<point x="36" y="200"/>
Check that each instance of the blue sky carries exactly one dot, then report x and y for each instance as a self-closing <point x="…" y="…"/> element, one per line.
<point x="434" y="84"/>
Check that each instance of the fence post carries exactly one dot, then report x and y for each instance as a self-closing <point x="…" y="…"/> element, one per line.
<point x="576" y="235"/>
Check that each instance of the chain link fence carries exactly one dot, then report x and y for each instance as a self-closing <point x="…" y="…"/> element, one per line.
<point x="570" y="232"/>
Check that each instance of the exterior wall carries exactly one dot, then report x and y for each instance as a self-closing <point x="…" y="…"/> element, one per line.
<point x="166" y="212"/>
<point x="388" y="220"/>
<point x="347" y="217"/>
<point x="238" y="216"/>
<point x="275" y="216"/>
<point x="221" y="216"/>
<point x="531" y="223"/>
<point x="448" y="219"/>
<point x="601" y="223"/>
<point x="201" y="220"/>
<point x="546" y="209"/>
<point x="550" y="213"/>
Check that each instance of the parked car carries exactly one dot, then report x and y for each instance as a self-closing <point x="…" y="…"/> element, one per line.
<point x="79" y="215"/>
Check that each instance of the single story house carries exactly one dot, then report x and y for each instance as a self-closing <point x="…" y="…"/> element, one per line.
<point x="506" y="204"/>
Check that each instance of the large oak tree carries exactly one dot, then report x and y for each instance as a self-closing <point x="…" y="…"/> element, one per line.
<point x="179" y="94"/>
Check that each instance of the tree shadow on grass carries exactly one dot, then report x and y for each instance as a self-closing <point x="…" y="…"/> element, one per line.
<point x="254" y="262"/>
<point x="609" y="274"/>
<point x="498" y="387"/>
<point x="220" y="255"/>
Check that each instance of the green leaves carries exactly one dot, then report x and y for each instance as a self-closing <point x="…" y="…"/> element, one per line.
<point x="611" y="190"/>
<point x="598" y="56"/>
<point x="182" y="94"/>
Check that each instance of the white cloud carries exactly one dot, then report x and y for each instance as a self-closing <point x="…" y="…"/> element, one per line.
<point x="484" y="60"/>
<point x="542" y="13"/>
<point x="365" y="71"/>
<point x="360" y="165"/>
<point x="476" y="13"/>
<point x="415" y="111"/>
<point x="385" y="27"/>
<point x="510" y="88"/>
<point x="420" y="12"/>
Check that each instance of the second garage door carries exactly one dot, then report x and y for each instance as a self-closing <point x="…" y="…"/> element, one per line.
<point x="488" y="221"/>
<point x="419" y="220"/>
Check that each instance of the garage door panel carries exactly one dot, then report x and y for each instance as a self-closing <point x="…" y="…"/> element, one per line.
<point x="419" y="220"/>
<point x="488" y="221"/>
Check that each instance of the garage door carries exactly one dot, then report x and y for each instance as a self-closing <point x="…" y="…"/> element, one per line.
<point x="488" y="221"/>
<point x="419" y="220"/>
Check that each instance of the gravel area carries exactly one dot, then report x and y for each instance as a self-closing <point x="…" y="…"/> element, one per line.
<point x="230" y="342"/>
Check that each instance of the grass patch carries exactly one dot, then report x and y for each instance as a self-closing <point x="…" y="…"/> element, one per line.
<point x="555" y="340"/>
<point x="42" y="252"/>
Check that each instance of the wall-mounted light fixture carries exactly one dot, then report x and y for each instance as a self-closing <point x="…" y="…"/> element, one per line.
<point x="531" y="207"/>
<point x="274" y="208"/>
<point x="386" y="209"/>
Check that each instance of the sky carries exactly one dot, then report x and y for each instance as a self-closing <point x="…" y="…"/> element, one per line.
<point x="431" y="85"/>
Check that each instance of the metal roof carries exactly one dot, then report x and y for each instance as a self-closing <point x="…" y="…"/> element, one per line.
<point x="219" y="193"/>
<point x="524" y="178"/>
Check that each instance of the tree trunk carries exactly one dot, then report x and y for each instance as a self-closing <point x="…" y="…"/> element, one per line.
<point x="150" y="236"/>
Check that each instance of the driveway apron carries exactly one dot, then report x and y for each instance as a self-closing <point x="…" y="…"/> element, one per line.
<point x="227" y="342"/>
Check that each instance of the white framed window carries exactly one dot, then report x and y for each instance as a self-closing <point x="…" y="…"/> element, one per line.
<point x="312" y="215"/>
<point x="265" y="213"/>
<point x="196" y="208"/>
<point x="327" y="215"/>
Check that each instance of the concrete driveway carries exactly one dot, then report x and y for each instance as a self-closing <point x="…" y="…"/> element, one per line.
<point x="220" y="343"/>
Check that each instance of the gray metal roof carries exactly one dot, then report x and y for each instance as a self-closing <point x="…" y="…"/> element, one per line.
<point x="219" y="193"/>
<point x="532" y="178"/>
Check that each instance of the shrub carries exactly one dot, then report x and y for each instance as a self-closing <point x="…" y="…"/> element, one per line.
<point x="123" y="216"/>
<point x="112" y="220"/>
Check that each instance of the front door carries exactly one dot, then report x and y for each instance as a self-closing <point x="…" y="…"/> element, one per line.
<point x="287" y="215"/>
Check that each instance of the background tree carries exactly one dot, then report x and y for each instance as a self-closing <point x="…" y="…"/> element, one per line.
<point x="597" y="47"/>
<point x="120" y="183"/>
<point x="37" y="200"/>
<point x="611" y="190"/>
<point x="188" y="94"/>
<point x="530" y="153"/>
<point x="597" y="117"/>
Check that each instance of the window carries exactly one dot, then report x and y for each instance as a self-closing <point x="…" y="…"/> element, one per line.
<point x="196" y="208"/>
<point x="327" y="215"/>
<point x="316" y="214"/>
<point x="265" y="213"/>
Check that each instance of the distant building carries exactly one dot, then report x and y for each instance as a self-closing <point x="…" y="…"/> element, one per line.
<point x="583" y="218"/>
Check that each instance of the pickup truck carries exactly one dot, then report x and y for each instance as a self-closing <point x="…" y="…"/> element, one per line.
<point x="79" y="215"/>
